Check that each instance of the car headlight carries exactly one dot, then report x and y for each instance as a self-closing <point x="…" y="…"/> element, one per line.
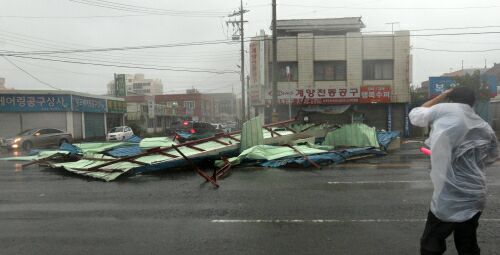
<point x="17" y="140"/>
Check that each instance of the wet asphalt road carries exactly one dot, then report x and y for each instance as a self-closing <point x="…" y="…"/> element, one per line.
<point x="372" y="206"/>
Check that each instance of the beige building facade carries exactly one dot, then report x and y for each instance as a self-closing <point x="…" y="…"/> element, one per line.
<point x="330" y="62"/>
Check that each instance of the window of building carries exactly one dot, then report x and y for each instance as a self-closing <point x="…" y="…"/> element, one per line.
<point x="330" y="71"/>
<point x="283" y="75"/>
<point x="189" y="105"/>
<point x="151" y="123"/>
<point x="378" y="69"/>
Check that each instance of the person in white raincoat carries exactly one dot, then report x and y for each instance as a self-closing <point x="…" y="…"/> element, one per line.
<point x="462" y="145"/>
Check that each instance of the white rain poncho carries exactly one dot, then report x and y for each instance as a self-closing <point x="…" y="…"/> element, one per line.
<point x="462" y="145"/>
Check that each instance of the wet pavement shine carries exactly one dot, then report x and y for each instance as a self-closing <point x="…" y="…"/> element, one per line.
<point x="369" y="206"/>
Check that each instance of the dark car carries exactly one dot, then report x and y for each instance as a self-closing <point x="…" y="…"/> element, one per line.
<point x="37" y="137"/>
<point x="191" y="130"/>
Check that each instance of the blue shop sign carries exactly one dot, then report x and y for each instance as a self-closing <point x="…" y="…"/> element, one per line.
<point x="88" y="104"/>
<point x="34" y="103"/>
<point x="439" y="84"/>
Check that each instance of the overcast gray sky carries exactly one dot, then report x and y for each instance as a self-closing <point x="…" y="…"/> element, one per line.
<point x="27" y="25"/>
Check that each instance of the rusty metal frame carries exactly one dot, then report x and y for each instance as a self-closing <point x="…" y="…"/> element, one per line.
<point x="223" y="170"/>
<point x="304" y="156"/>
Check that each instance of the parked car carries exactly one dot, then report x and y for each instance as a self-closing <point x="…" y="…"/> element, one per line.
<point x="119" y="133"/>
<point x="37" y="137"/>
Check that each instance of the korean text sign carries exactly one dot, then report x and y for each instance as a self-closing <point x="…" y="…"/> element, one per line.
<point x="317" y="96"/>
<point x="34" y="103"/>
<point x="375" y="94"/>
<point x="88" y="104"/>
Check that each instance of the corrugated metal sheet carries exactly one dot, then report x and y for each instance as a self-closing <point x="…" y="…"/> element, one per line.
<point x="353" y="135"/>
<point x="251" y="133"/>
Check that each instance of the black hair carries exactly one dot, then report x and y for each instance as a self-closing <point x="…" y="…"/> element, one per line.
<point x="463" y="95"/>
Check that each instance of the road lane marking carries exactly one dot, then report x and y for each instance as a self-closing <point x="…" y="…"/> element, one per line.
<point x="379" y="182"/>
<point x="333" y="221"/>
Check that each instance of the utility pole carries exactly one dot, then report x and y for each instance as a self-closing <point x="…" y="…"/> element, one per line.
<point x="248" y="97"/>
<point x="239" y="24"/>
<point x="392" y="25"/>
<point x="274" y="102"/>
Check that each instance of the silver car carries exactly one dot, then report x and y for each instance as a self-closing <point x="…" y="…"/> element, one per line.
<point x="37" y="137"/>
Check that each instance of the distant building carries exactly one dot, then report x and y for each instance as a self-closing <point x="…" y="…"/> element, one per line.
<point x="330" y="63"/>
<point x="146" y="112"/>
<point x="211" y="107"/>
<point x="137" y="85"/>
<point x="2" y="85"/>
<point x="192" y="105"/>
<point x="223" y="106"/>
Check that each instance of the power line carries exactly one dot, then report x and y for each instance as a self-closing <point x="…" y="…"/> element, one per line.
<point x="464" y="51"/>
<point x="119" y="62"/>
<point x="148" y="10"/>
<point x="11" y="53"/>
<point x="79" y="17"/>
<point x="127" y="66"/>
<point x="460" y="42"/>
<point x="30" y="75"/>
<point x="123" y="48"/>
<point x="57" y="45"/>
<point x="147" y="65"/>
<point x="438" y="29"/>
<point x="392" y="8"/>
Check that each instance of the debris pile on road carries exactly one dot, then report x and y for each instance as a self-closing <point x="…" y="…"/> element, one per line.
<point x="283" y="144"/>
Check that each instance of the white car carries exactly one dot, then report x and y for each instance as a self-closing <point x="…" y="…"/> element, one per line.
<point x="119" y="133"/>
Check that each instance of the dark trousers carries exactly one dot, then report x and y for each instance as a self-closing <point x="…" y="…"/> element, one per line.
<point x="433" y="241"/>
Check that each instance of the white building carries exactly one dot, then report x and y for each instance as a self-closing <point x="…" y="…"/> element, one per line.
<point x="330" y="62"/>
<point x="138" y="85"/>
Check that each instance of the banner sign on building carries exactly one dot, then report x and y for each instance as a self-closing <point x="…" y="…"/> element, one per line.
<point x="34" y="103"/>
<point x="316" y="96"/>
<point x="255" y="79"/>
<point x="116" y="106"/>
<point x="364" y="94"/>
<point x="438" y="85"/>
<point x="120" y="88"/>
<point x="375" y="94"/>
<point x="88" y="104"/>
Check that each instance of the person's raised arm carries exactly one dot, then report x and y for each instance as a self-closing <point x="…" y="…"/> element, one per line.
<point x="437" y="99"/>
<point x="422" y="116"/>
